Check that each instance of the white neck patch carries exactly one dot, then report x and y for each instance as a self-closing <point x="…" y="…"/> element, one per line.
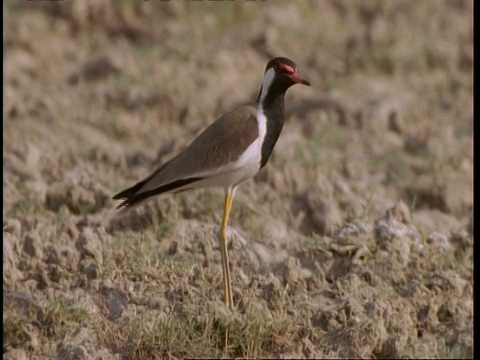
<point x="267" y="81"/>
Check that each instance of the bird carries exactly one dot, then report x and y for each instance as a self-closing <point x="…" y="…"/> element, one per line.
<point x="228" y="152"/>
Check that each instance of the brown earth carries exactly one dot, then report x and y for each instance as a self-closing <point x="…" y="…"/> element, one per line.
<point x="355" y="241"/>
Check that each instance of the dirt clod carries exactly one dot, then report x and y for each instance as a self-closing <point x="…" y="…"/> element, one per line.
<point x="115" y="301"/>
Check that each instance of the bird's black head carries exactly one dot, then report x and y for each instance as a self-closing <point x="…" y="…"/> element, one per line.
<point x="286" y="68"/>
<point x="280" y="74"/>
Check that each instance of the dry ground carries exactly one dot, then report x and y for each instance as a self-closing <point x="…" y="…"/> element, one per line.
<point x="356" y="239"/>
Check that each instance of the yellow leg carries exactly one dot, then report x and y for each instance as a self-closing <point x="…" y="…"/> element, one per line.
<point x="227" y="282"/>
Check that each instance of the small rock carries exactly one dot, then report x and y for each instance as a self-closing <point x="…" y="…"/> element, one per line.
<point x="29" y="246"/>
<point x="91" y="271"/>
<point x="115" y="300"/>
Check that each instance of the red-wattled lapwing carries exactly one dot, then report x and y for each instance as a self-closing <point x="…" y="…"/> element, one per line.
<point x="229" y="151"/>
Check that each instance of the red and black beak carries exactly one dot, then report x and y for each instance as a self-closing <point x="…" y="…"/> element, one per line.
<point x="297" y="78"/>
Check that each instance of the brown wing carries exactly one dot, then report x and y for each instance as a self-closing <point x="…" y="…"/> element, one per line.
<point x="218" y="147"/>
